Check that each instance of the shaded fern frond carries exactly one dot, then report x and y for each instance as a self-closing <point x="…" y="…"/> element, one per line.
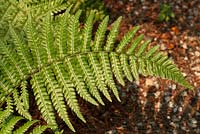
<point x="15" y="12"/>
<point x="70" y="62"/>
<point x="8" y="120"/>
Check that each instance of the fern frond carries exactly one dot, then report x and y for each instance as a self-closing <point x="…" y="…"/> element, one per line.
<point x="126" y="66"/>
<point x="9" y="125"/>
<point x="70" y="62"/>
<point x="87" y="33"/>
<point x="25" y="127"/>
<point x="134" y="67"/>
<point x="151" y="51"/>
<point x="73" y="35"/>
<point x="22" y="50"/>
<point x="135" y="44"/>
<point x="47" y="40"/>
<point x="20" y="105"/>
<point x="43" y="100"/>
<point x="8" y="73"/>
<point x="5" y="89"/>
<point x="142" y="48"/>
<point x="54" y="90"/>
<point x="4" y="114"/>
<point x="12" y="58"/>
<point x="24" y="95"/>
<point x="79" y="83"/>
<point x="33" y="43"/>
<point x="116" y="67"/>
<point x="67" y="89"/>
<point x="89" y="78"/>
<point x="61" y="34"/>
<point x="39" y="130"/>
<point x="98" y="74"/>
<point x="104" y="60"/>
<point x="100" y="34"/>
<point x="112" y="35"/>
<point x="16" y="12"/>
<point x="126" y="39"/>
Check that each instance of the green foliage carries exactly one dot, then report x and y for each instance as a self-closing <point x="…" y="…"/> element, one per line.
<point x="8" y="121"/>
<point x="87" y="6"/>
<point x="166" y="13"/>
<point x="60" y="60"/>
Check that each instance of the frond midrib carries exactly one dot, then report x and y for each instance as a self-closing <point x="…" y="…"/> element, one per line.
<point x="71" y="56"/>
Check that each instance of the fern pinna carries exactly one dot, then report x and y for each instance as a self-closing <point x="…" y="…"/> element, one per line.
<point x="60" y="59"/>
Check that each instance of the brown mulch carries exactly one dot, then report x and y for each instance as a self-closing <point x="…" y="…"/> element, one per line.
<point x="153" y="105"/>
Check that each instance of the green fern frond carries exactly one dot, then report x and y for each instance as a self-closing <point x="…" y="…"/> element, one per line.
<point x="20" y="105"/>
<point x="104" y="60"/>
<point x="89" y="78"/>
<point x="15" y="12"/>
<point x="98" y="74"/>
<point x="70" y="62"/>
<point x="112" y="35"/>
<point x="126" y="67"/>
<point x="73" y="34"/>
<point x="100" y="35"/>
<point x="34" y="43"/>
<point x="8" y="126"/>
<point x="25" y="127"/>
<point x="135" y="44"/>
<point x="55" y="92"/>
<point x="67" y="89"/>
<point x="43" y="100"/>
<point x="39" y="130"/>
<point x="24" y="95"/>
<point x="61" y="34"/>
<point x="11" y="57"/>
<point x="87" y="33"/>
<point x="79" y="82"/>
<point x="126" y="39"/>
<point x="116" y="67"/>
<point x="21" y="49"/>
<point x="47" y="40"/>
<point x="4" y="114"/>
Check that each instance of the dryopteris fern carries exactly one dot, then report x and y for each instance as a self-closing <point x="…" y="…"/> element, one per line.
<point x="8" y="122"/>
<point x="16" y="12"/>
<point x="62" y="60"/>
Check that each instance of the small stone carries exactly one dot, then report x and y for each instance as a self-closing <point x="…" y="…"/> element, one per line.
<point x="185" y="58"/>
<point x="196" y="53"/>
<point x="172" y="124"/>
<point x="111" y="132"/>
<point x="167" y="99"/>
<point x="184" y="74"/>
<point x="162" y="47"/>
<point x="170" y="104"/>
<point x="175" y="109"/>
<point x="149" y="82"/>
<point x="185" y="46"/>
<point x="157" y="94"/>
<point x="180" y="109"/>
<point x="173" y="86"/>
<point x="194" y="121"/>
<point x="139" y="124"/>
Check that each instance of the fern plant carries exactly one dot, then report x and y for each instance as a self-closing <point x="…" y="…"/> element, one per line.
<point x="61" y="60"/>
<point x="16" y="12"/>
<point x="8" y="121"/>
